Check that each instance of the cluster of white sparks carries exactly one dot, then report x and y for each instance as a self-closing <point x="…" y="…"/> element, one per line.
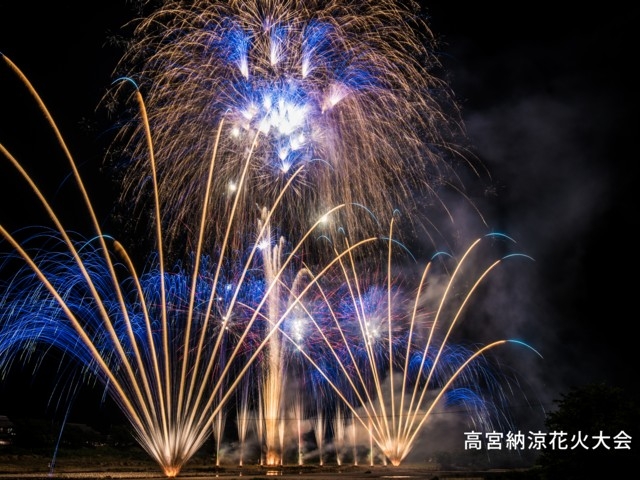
<point x="343" y="89"/>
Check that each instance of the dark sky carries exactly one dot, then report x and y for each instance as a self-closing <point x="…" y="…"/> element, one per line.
<point x="549" y="105"/>
<point x="549" y="101"/>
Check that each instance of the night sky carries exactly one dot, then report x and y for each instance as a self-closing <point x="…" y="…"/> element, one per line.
<point x="549" y="101"/>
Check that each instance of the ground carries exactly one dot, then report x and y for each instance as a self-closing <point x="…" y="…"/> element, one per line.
<point x="93" y="464"/>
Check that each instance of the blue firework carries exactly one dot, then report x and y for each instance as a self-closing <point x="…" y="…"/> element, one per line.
<point x="340" y="94"/>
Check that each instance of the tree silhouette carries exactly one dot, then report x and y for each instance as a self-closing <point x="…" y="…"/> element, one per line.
<point x="603" y="416"/>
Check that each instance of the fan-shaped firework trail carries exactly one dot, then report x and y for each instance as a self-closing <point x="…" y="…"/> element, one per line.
<point x="159" y="341"/>
<point x="343" y="88"/>
<point x="390" y="358"/>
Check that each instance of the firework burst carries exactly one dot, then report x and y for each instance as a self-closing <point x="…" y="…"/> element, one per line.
<point x="343" y="89"/>
<point x="389" y="358"/>
<point x="169" y="347"/>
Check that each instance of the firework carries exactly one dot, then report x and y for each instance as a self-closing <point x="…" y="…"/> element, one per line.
<point x="388" y="358"/>
<point x="129" y="335"/>
<point x="163" y="344"/>
<point x="344" y="90"/>
<point x="265" y="117"/>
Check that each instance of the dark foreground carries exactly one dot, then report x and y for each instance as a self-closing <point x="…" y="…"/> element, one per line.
<point x="260" y="472"/>
<point x="132" y="464"/>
